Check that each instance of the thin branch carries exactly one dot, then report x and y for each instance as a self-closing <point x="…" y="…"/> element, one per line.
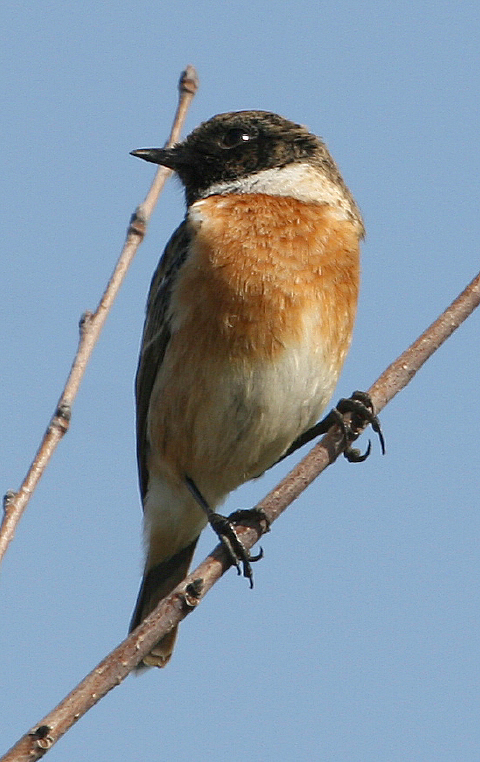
<point x="91" y="325"/>
<point x="185" y="598"/>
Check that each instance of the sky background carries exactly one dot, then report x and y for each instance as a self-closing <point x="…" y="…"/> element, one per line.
<point x="360" y="640"/>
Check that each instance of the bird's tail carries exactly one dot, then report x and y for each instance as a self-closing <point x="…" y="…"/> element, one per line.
<point x="157" y="583"/>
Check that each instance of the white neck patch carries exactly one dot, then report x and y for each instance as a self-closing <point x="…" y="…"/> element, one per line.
<point x="300" y="181"/>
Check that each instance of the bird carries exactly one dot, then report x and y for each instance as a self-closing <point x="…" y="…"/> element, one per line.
<point x="249" y="319"/>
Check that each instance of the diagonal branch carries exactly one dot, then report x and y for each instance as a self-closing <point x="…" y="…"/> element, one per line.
<point x="185" y="598"/>
<point x="91" y="325"/>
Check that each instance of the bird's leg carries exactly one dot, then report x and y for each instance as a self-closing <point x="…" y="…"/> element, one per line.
<point x="225" y="530"/>
<point x="361" y="408"/>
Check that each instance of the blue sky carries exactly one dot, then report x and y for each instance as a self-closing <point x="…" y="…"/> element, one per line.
<point x="360" y="640"/>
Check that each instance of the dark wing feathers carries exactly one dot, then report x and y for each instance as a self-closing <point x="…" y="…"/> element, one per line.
<point x="156" y="334"/>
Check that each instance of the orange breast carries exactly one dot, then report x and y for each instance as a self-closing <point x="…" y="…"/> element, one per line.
<point x="259" y="264"/>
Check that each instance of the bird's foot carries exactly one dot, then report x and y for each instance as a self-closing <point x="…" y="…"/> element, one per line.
<point x="360" y="407"/>
<point x="224" y="527"/>
<point x="238" y="554"/>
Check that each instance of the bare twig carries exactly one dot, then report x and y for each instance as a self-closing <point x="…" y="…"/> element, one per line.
<point x="91" y="325"/>
<point x="185" y="598"/>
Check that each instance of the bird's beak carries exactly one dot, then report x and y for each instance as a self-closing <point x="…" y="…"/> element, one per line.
<point x="167" y="157"/>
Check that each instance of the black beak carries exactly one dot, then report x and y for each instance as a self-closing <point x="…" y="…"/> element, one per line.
<point x="167" y="157"/>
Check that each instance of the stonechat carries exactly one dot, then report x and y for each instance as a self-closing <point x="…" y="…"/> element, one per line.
<point x="249" y="319"/>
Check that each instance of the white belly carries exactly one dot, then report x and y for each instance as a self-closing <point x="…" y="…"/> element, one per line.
<point x="250" y="415"/>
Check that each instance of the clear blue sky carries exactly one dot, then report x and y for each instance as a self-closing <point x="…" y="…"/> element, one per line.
<point x="360" y="641"/>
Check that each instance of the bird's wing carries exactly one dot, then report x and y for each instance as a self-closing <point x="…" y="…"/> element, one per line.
<point x="156" y="335"/>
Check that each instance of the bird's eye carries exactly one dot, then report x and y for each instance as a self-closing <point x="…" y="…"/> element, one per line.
<point x="235" y="137"/>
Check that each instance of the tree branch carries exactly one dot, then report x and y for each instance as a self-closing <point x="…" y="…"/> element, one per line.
<point x="185" y="598"/>
<point x="91" y="324"/>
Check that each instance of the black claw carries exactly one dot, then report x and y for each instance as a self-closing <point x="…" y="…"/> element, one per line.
<point x="354" y="455"/>
<point x="370" y="416"/>
<point x="361" y="408"/>
<point x="258" y="557"/>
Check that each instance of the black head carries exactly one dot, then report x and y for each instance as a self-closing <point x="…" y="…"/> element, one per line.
<point x="233" y="145"/>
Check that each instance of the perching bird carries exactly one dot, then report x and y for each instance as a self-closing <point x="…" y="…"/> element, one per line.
<point x="249" y="319"/>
